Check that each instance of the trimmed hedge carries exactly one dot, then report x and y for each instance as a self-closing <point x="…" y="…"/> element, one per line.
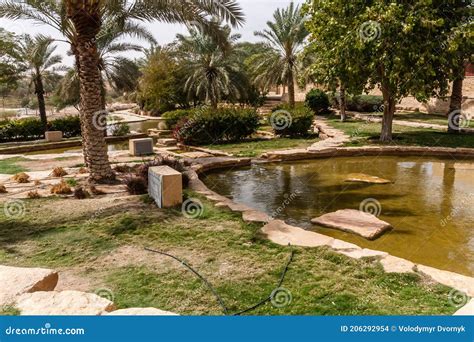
<point x="32" y="128"/>
<point x="359" y="103"/>
<point x="318" y="101"/>
<point x="209" y="126"/>
<point x="290" y="122"/>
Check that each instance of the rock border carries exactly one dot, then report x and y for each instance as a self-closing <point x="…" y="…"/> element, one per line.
<point x="283" y="234"/>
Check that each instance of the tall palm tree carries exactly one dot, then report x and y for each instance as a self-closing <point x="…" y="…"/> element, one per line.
<point x="37" y="56"/>
<point x="212" y="70"/>
<point x="284" y="38"/>
<point x="80" y="21"/>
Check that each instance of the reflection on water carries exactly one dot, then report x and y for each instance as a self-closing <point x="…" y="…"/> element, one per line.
<point x="430" y="203"/>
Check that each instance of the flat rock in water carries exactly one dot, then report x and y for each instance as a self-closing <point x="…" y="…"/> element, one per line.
<point x="354" y="221"/>
<point x="363" y="178"/>
<point x="16" y="281"/>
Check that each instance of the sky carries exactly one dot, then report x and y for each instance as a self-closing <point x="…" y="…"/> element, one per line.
<point x="257" y="13"/>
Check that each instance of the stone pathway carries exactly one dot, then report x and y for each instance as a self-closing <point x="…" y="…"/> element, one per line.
<point x="330" y="137"/>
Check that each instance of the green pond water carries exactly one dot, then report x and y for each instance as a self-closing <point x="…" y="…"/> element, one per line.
<point x="430" y="202"/>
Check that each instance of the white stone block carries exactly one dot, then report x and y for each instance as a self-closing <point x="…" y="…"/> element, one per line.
<point x="165" y="186"/>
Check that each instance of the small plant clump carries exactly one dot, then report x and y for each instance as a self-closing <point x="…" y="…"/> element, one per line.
<point x="3" y="189"/>
<point x="81" y="193"/>
<point x="58" y="172"/>
<point x="71" y="182"/>
<point x="136" y="185"/>
<point x="37" y="182"/>
<point x="123" y="168"/>
<point x="83" y="170"/>
<point x="61" y="189"/>
<point x="33" y="194"/>
<point x="21" y="178"/>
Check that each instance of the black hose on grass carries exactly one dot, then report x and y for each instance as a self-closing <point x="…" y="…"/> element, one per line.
<point x="214" y="292"/>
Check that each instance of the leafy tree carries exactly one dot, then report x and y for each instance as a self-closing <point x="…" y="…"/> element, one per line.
<point x="81" y="22"/>
<point x="160" y="86"/>
<point x="10" y="70"/>
<point x="284" y="38"/>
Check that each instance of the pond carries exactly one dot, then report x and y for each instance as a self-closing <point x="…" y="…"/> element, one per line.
<point x="430" y="202"/>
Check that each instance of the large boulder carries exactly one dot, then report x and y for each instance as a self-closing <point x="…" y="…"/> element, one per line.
<point x="363" y="178"/>
<point x="65" y="303"/>
<point x="354" y="221"/>
<point x="141" y="312"/>
<point x="16" y="281"/>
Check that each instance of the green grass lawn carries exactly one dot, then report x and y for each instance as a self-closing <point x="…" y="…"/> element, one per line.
<point x="10" y="166"/>
<point x="105" y="246"/>
<point x="363" y="133"/>
<point x="422" y="118"/>
<point x="257" y="148"/>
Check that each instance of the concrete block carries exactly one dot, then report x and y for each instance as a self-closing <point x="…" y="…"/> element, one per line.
<point x="140" y="147"/>
<point x="165" y="186"/>
<point x="53" y="136"/>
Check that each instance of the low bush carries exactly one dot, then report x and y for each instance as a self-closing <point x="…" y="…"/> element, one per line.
<point x="3" y="189"/>
<point x="208" y="126"/>
<point x="69" y="125"/>
<point x="290" y="122"/>
<point x="80" y="193"/>
<point x="318" y="101"/>
<point x="172" y="118"/>
<point x="136" y="185"/>
<point x="359" y="103"/>
<point x="33" y="194"/>
<point x="32" y="128"/>
<point x="120" y="129"/>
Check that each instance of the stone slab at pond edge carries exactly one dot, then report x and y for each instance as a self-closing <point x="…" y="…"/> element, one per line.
<point x="15" y="281"/>
<point x="354" y="221"/>
<point x="141" y="312"/>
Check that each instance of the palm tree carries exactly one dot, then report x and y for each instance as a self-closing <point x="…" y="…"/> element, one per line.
<point x="284" y="38"/>
<point x="81" y="21"/>
<point x="38" y="58"/>
<point x="212" y="70"/>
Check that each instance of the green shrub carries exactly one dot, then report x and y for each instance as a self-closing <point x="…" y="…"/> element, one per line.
<point x="318" y="101"/>
<point x="359" y="103"/>
<point x="69" y="125"/>
<point x="207" y="126"/>
<point x="32" y="128"/>
<point x="120" y="129"/>
<point x="172" y="118"/>
<point x="292" y="122"/>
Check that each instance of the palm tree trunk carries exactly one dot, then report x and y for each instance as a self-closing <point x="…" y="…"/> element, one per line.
<point x="39" y="91"/>
<point x="87" y="22"/>
<point x="81" y="118"/>
<point x="291" y="89"/>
